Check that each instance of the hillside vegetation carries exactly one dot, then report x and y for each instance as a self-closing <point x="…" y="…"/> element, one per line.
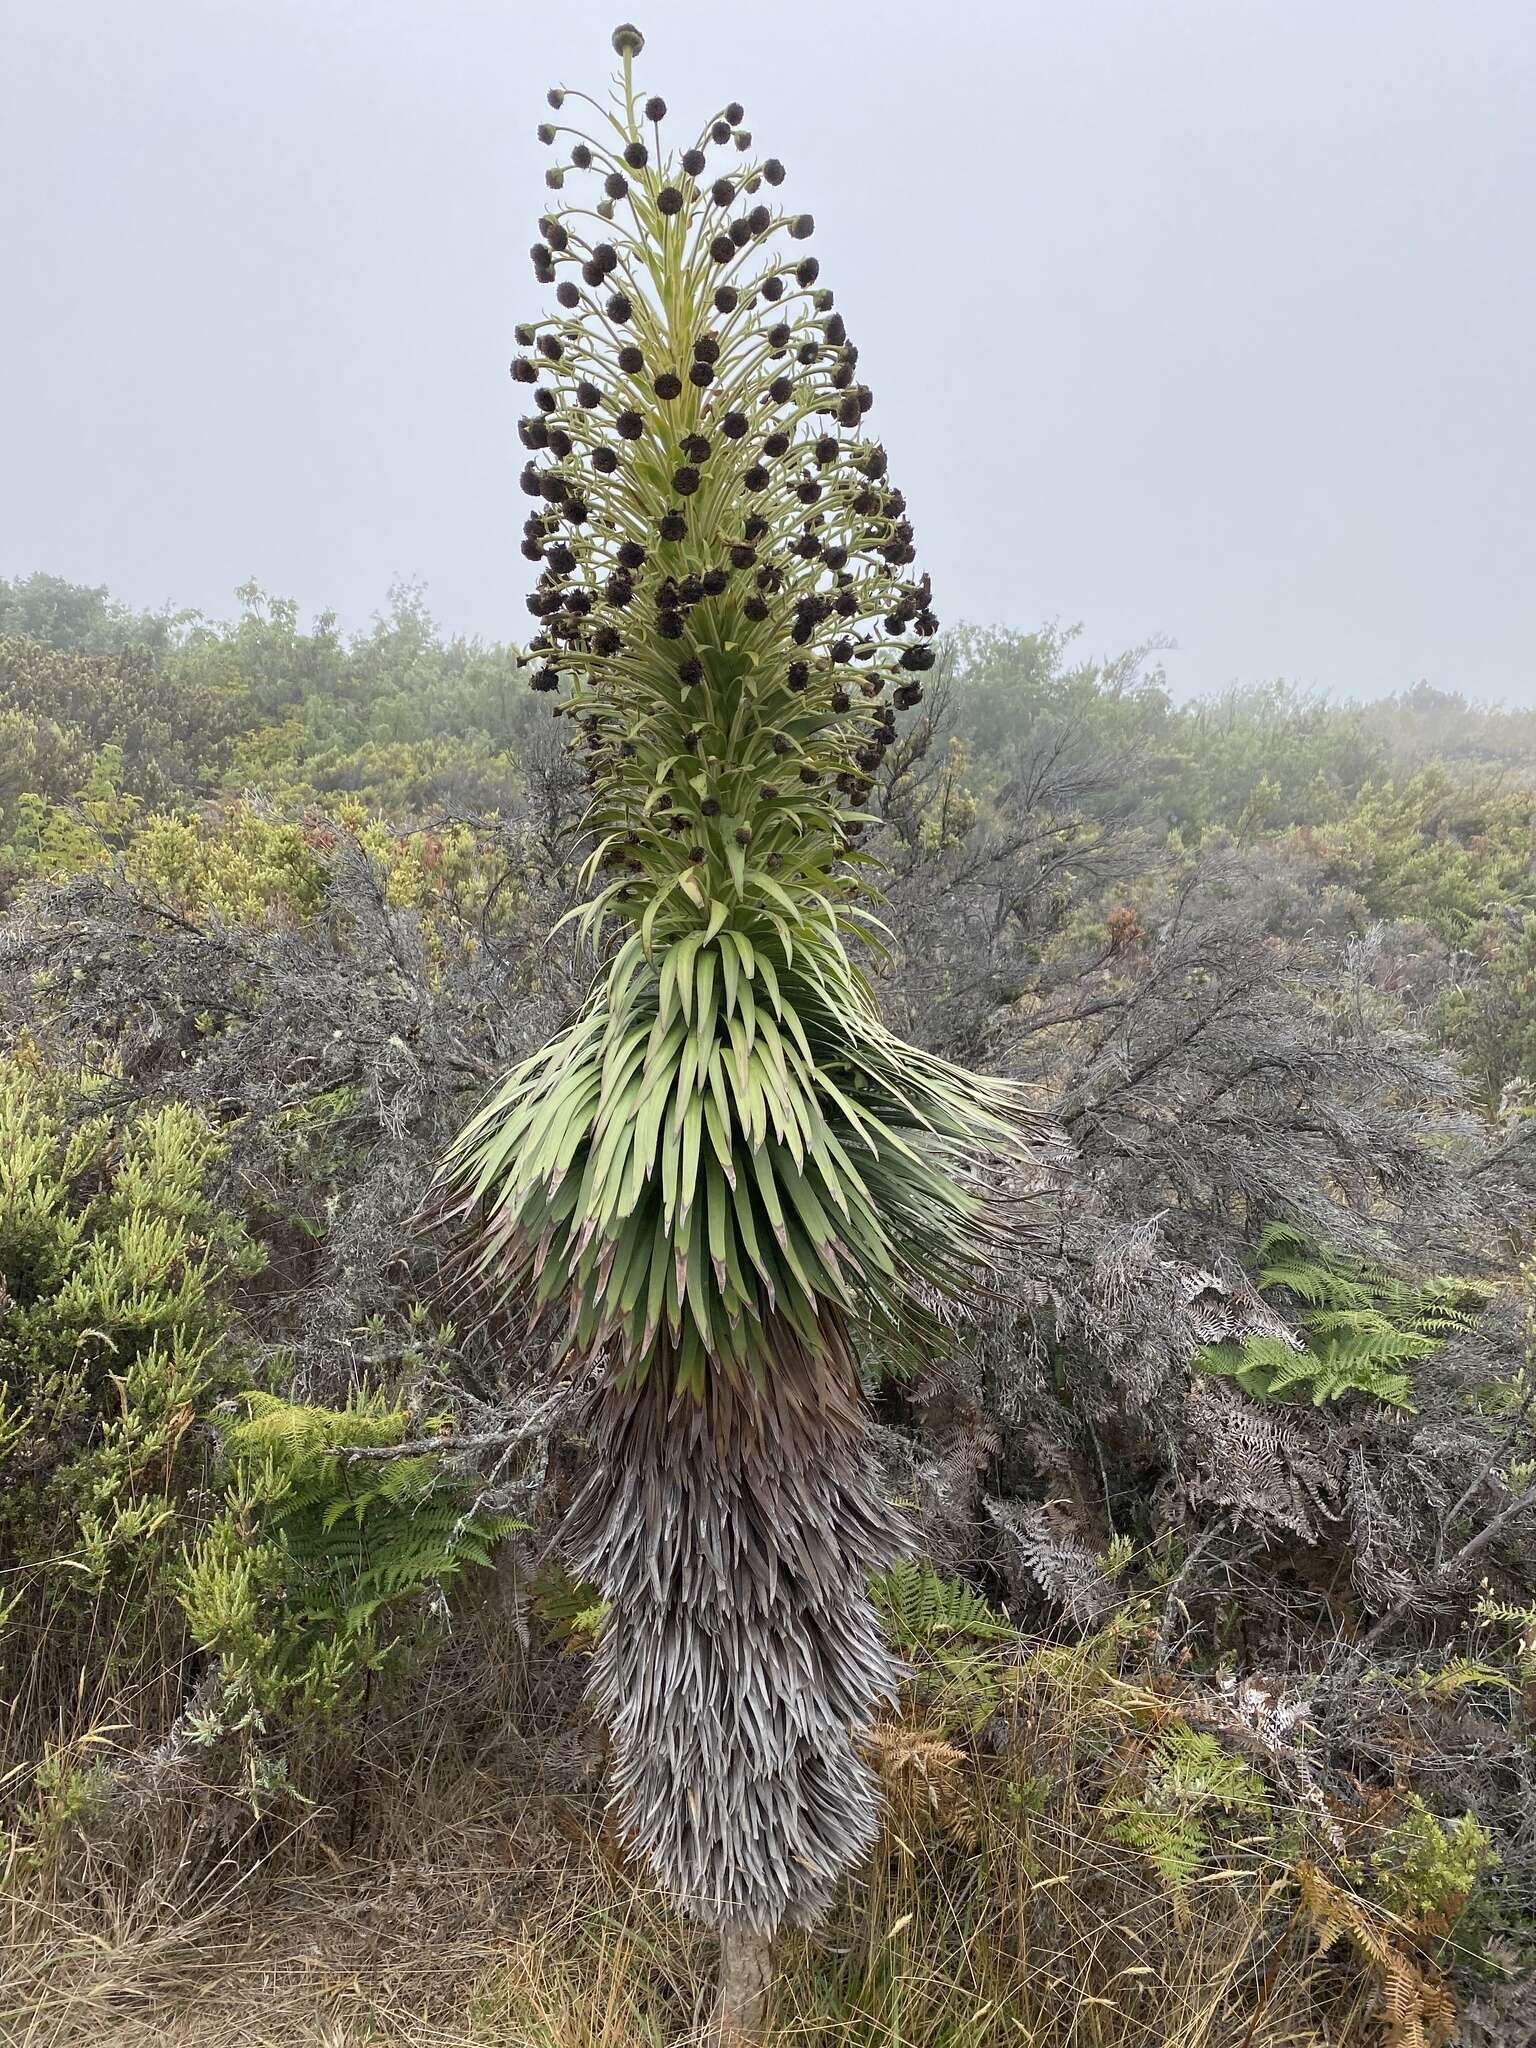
<point x="1222" y="1630"/>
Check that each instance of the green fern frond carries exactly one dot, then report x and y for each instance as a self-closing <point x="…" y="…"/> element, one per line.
<point x="921" y="1609"/>
<point x="1361" y="1330"/>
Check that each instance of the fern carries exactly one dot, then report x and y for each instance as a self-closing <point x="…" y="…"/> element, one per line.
<point x="1360" y="1329"/>
<point x="1190" y="1789"/>
<point x="289" y="1588"/>
<point x="954" y="1639"/>
<point x="921" y="1609"/>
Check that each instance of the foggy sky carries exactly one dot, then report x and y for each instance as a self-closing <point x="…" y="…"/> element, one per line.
<point x="1210" y="319"/>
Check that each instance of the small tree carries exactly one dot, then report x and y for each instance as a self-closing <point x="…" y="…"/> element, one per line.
<point x="727" y="1179"/>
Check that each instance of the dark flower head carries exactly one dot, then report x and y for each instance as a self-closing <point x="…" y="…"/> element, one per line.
<point x="616" y="184"/>
<point x="696" y="448"/>
<point x="808" y="776"/>
<point x="798" y="674"/>
<point x="546" y="401"/>
<point x="734" y="425"/>
<point x="523" y="371"/>
<point x="581" y="157"/>
<point x="808" y="271"/>
<point x="722" y="248"/>
<point x="685" y="481"/>
<point x="567" y="294"/>
<point x="755" y="608"/>
<point x="606" y="257"/>
<point x="781" y="390"/>
<point x="672" y="526"/>
<point x="550" y="348"/>
<point x="587" y="394"/>
<point x="741" y="233"/>
<point x="631" y="554"/>
<point x="773" y="287"/>
<point x="720" y="132"/>
<point x="631" y="362"/>
<point x="742" y="556"/>
<point x="560" y="559"/>
<point x="734" y="112"/>
<point x="560" y="442"/>
<point x="776" y="445"/>
<point x="742" y="139"/>
<point x="727" y="298"/>
<point x="836" y="331"/>
<point x="778" y="335"/>
<point x="627" y="39"/>
<point x="670" y="625"/>
<point x="668" y="384"/>
<point x="554" y="177"/>
<point x="523" y="336"/>
<point x="546" y="131"/>
<point x="619" y="308"/>
<point x="723" y="191"/>
<point x="826" y="450"/>
<point x="773" y="171"/>
<point x="544" y="679"/>
<point x="693" y="161"/>
<point x="707" y="349"/>
<point x="802" y="226"/>
<point x="655" y="108"/>
<point x="710" y="807"/>
<point x="701" y="374"/>
<point x="592" y="271"/>
<point x="630" y="425"/>
<point x="636" y="155"/>
<point x="754" y="527"/>
<point x="690" y="672"/>
<point x="669" y="199"/>
<point x="840" y="701"/>
<point x="556" y="96"/>
<point x="756" y="478"/>
<point x="759" y="220"/>
<point x="714" y="581"/>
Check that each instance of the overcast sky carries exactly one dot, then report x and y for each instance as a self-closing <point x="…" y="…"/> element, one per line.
<point x="1212" y="319"/>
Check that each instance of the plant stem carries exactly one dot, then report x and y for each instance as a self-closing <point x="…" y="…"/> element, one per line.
<point x="746" y="1977"/>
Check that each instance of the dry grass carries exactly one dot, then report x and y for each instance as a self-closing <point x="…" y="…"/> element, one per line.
<point x="452" y="1885"/>
<point x="506" y="1919"/>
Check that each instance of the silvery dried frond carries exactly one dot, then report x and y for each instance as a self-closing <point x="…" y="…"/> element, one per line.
<point x="1041" y="1541"/>
<point x="1268" y="1466"/>
<point x="937" y="1475"/>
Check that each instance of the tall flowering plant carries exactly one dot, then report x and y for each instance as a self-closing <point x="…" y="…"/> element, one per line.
<point x="727" y="1180"/>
